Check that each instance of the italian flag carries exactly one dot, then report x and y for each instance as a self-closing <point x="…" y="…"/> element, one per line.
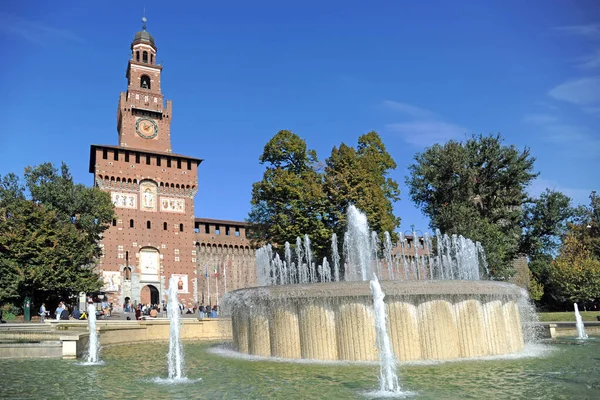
<point x="216" y="272"/>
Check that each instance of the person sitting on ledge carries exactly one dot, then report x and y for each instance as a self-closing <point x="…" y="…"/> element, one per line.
<point x="76" y="313"/>
<point x="64" y="315"/>
<point x="154" y="313"/>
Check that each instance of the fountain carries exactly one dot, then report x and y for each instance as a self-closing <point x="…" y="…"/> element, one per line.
<point x="388" y="379"/>
<point x="93" y="341"/>
<point x="581" y="334"/>
<point x="175" y="355"/>
<point x="439" y="307"/>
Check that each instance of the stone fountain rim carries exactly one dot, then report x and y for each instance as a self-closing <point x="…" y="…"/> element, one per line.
<point x="390" y="288"/>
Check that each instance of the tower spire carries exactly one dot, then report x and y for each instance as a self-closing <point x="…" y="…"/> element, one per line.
<point x="144" y="19"/>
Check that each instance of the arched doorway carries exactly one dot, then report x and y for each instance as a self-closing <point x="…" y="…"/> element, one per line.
<point x="149" y="295"/>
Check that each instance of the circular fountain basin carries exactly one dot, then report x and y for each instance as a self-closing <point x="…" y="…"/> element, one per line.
<point x="437" y="320"/>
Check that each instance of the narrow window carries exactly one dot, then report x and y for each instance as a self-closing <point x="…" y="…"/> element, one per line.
<point x="189" y="165"/>
<point x="237" y="231"/>
<point x="131" y="223"/>
<point x="116" y="155"/>
<point x="165" y="225"/>
<point x="148" y="225"/>
<point x="137" y="56"/>
<point x="114" y="222"/>
<point x="105" y="154"/>
<point x="151" y="58"/>
<point x="217" y="230"/>
<point x="158" y="161"/>
<point x="145" y="57"/>
<point x="180" y="227"/>
<point x="168" y="163"/>
<point x="137" y="158"/>
<point x="145" y="82"/>
<point x="178" y="163"/>
<point x="226" y="230"/>
<point x="147" y="160"/>
<point x="206" y="229"/>
<point x="126" y="157"/>
<point x="127" y="272"/>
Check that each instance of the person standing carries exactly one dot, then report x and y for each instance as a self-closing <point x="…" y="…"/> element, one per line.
<point x="43" y="313"/>
<point x="59" y="310"/>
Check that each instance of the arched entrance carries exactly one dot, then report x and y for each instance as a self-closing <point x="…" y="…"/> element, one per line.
<point x="149" y="295"/>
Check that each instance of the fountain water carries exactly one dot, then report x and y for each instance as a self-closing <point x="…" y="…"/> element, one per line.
<point x="581" y="334"/>
<point x="439" y="305"/>
<point x="175" y="355"/>
<point x="93" y="342"/>
<point x="388" y="379"/>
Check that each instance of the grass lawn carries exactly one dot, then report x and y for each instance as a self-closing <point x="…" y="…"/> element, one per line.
<point x="567" y="316"/>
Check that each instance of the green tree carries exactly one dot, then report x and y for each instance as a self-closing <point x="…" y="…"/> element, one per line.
<point x="475" y="189"/>
<point x="544" y="224"/>
<point x="361" y="177"/>
<point x="575" y="274"/>
<point x="289" y="201"/>
<point x="89" y="209"/>
<point x="49" y="244"/>
<point x="586" y="225"/>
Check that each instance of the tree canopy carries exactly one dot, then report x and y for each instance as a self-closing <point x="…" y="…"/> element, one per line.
<point x="360" y="177"/>
<point x="289" y="201"/>
<point x="295" y="197"/>
<point x="475" y="189"/>
<point x="49" y="243"/>
<point x="575" y="274"/>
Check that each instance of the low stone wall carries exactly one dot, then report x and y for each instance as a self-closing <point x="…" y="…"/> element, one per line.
<point x="69" y="339"/>
<point x="565" y="329"/>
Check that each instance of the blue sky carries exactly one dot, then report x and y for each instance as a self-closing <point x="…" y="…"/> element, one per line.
<point x="239" y="71"/>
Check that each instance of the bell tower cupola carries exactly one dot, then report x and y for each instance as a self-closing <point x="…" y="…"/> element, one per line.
<point x="144" y="118"/>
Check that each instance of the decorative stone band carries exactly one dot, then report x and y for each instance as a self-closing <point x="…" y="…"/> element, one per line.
<point x="335" y="321"/>
<point x="134" y="187"/>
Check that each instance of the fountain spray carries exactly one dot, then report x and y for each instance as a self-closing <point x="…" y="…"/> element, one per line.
<point x="581" y="334"/>
<point x="175" y="355"/>
<point x="388" y="379"/>
<point x="93" y="342"/>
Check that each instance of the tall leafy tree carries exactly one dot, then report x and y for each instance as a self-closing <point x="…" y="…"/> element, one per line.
<point x="476" y="189"/>
<point x="575" y="274"/>
<point x="544" y="224"/>
<point x="289" y="201"/>
<point x="49" y="243"/>
<point x="89" y="209"/>
<point x="361" y="177"/>
<point x="586" y="225"/>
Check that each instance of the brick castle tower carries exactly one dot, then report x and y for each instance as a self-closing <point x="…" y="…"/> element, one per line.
<point x="152" y="237"/>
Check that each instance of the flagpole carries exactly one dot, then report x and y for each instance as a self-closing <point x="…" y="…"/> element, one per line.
<point x="225" y="274"/>
<point x="208" y="282"/>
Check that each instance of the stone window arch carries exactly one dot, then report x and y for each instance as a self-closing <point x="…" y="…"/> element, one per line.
<point x="145" y="82"/>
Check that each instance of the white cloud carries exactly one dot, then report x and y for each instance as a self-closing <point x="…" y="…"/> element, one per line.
<point x="592" y="110"/>
<point x="591" y="61"/>
<point x="589" y="30"/>
<point x="408" y="109"/>
<point x="582" y="91"/>
<point x="578" y="196"/>
<point x="540" y="119"/>
<point x="426" y="133"/>
<point x="35" y="32"/>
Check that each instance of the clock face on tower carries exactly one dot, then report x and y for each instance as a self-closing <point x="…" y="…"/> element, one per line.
<point x="146" y="128"/>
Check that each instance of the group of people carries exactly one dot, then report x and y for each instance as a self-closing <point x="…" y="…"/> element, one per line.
<point x="207" y="311"/>
<point x="147" y="310"/>
<point x="61" y="313"/>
